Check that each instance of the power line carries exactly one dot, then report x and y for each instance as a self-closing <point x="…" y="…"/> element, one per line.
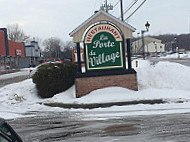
<point x="130" y="6"/>
<point x="135" y="10"/>
<point x="116" y="3"/>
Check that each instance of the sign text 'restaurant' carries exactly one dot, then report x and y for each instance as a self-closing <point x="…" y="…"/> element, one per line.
<point x="100" y="28"/>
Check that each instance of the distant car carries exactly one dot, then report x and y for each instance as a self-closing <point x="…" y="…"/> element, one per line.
<point x="67" y="60"/>
<point x="7" y="134"/>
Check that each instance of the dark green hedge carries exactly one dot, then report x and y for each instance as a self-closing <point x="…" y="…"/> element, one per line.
<point x="53" y="78"/>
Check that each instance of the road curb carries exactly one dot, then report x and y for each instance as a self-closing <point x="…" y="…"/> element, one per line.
<point x="104" y="105"/>
<point x="16" y="79"/>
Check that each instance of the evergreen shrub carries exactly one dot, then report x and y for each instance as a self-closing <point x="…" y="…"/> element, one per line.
<point x="53" y="78"/>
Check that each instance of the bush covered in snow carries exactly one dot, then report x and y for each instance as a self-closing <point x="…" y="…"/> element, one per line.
<point x="54" y="78"/>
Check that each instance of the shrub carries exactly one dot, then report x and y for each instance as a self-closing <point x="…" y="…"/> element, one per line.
<point x="54" y="78"/>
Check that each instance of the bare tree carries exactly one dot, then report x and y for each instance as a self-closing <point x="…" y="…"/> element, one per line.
<point x="39" y="40"/>
<point x="53" y="47"/>
<point x="67" y="53"/>
<point x="173" y="40"/>
<point x="15" y="33"/>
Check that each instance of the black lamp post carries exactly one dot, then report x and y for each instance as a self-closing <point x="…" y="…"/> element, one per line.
<point x="147" y="25"/>
<point x="176" y="47"/>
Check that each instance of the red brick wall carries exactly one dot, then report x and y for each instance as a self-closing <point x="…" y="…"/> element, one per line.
<point x="85" y="85"/>
<point x="2" y="44"/>
<point x="13" y="46"/>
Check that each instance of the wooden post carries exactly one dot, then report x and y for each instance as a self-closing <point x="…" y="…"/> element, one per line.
<point x="5" y="64"/>
<point x="19" y="62"/>
<point x="129" y="53"/>
<point x="78" y="57"/>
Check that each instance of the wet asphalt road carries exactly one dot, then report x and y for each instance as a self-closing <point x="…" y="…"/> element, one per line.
<point x="68" y="127"/>
<point x="7" y="81"/>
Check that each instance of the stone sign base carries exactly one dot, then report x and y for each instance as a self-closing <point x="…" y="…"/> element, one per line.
<point x="85" y="85"/>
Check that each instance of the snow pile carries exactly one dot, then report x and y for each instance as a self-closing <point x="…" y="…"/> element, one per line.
<point x="164" y="80"/>
<point x="19" y="93"/>
<point x="164" y="75"/>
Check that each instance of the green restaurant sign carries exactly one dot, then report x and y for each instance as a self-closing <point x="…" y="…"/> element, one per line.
<point x="104" y="48"/>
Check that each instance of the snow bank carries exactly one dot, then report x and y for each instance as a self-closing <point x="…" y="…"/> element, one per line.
<point x="164" y="80"/>
<point x="163" y="75"/>
<point x="19" y="93"/>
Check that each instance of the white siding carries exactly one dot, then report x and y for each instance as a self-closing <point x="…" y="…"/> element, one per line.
<point x="154" y="47"/>
<point x="29" y="51"/>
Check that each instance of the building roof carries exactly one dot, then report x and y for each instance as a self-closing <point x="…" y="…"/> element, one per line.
<point x="105" y="13"/>
<point x="102" y="16"/>
<point x="148" y="40"/>
<point x="29" y="46"/>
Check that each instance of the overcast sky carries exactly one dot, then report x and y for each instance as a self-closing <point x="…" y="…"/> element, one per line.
<point x="57" y="18"/>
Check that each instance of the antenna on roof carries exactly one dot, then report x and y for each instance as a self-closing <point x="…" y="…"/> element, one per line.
<point x="106" y="7"/>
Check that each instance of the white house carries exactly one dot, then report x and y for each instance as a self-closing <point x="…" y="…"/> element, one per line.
<point x="154" y="47"/>
<point x="33" y="53"/>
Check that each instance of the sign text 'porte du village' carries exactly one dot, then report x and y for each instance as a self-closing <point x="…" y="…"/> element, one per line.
<point x="104" y="48"/>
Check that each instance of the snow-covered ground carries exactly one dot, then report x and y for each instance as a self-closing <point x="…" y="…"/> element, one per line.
<point x="164" y="80"/>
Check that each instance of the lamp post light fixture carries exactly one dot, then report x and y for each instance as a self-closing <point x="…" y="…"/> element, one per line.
<point x="147" y="25"/>
<point x="173" y="44"/>
<point x="138" y="49"/>
<point x="176" y="47"/>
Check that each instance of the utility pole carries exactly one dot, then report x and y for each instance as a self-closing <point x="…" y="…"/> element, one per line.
<point x="106" y="7"/>
<point x="121" y="3"/>
<point x="106" y="3"/>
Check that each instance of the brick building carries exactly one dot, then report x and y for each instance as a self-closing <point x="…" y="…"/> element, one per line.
<point x="2" y="44"/>
<point x="13" y="54"/>
<point x="10" y="52"/>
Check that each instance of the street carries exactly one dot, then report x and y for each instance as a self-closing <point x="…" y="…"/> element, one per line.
<point x="185" y="62"/>
<point x="7" y="81"/>
<point x="68" y="127"/>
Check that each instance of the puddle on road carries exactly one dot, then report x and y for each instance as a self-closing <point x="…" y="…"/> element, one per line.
<point x="122" y="130"/>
